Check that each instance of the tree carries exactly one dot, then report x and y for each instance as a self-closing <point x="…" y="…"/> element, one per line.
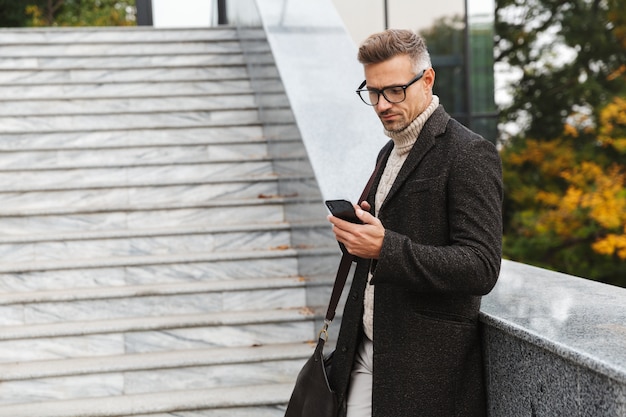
<point x="566" y="51"/>
<point x="81" y="12"/>
<point x="12" y="13"/>
<point x="565" y="171"/>
<point x="569" y="199"/>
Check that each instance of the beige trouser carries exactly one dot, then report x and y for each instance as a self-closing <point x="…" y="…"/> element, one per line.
<point x="360" y="392"/>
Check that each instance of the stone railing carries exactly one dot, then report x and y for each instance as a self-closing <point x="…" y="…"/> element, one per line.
<point x="555" y="345"/>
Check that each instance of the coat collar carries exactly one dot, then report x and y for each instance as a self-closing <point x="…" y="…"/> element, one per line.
<point x="435" y="126"/>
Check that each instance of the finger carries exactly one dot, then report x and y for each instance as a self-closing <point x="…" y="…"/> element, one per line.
<point x="340" y="225"/>
<point x="365" y="205"/>
<point x="366" y="217"/>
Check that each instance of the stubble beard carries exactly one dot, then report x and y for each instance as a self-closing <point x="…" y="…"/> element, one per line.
<point x="393" y="125"/>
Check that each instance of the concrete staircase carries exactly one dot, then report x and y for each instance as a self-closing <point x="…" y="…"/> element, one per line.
<point x="163" y="250"/>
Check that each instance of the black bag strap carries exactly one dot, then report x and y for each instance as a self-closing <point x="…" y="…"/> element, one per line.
<point x="347" y="259"/>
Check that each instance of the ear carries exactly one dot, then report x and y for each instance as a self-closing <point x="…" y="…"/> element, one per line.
<point x="429" y="79"/>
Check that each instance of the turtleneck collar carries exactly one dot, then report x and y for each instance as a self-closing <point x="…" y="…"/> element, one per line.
<point x="404" y="139"/>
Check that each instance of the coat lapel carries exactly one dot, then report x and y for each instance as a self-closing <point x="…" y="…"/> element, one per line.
<point x="434" y="126"/>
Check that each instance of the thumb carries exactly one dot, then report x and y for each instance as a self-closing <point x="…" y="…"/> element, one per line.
<point x="365" y="205"/>
<point x="365" y="216"/>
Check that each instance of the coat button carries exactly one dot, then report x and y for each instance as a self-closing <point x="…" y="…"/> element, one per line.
<point x="354" y="296"/>
<point x="344" y="349"/>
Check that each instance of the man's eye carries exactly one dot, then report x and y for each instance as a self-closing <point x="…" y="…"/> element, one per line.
<point x="394" y="91"/>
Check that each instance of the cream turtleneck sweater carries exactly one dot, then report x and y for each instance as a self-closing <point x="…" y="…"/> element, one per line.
<point x="403" y="142"/>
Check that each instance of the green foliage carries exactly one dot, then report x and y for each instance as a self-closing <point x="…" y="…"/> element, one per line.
<point x="565" y="171"/>
<point x="567" y="52"/>
<point x="80" y="12"/>
<point x="12" y="13"/>
<point x="565" y="205"/>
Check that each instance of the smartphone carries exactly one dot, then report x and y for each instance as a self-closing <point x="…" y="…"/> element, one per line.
<point x="343" y="209"/>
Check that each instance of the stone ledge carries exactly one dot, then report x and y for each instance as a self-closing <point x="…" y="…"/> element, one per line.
<point x="554" y="344"/>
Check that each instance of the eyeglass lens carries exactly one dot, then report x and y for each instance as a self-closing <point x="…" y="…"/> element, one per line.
<point x="395" y="94"/>
<point x="391" y="94"/>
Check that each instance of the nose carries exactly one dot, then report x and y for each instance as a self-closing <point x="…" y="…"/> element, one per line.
<point x="382" y="104"/>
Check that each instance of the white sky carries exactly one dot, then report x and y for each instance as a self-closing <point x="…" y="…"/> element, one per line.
<point x="182" y="13"/>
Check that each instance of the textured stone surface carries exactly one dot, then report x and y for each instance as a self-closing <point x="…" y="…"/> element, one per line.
<point x="555" y="345"/>
<point x="154" y="228"/>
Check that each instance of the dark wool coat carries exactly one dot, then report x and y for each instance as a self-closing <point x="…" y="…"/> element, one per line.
<point x="441" y="252"/>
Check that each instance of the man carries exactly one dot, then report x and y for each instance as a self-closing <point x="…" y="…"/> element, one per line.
<point x="428" y="249"/>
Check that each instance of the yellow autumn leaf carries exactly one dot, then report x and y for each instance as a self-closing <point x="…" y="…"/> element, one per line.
<point x="610" y="245"/>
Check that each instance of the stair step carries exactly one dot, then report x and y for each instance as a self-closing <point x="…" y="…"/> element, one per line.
<point x="145" y="156"/>
<point x="127" y="90"/>
<point x="151" y="290"/>
<point x="184" y="298"/>
<point x="141" y="88"/>
<point x="148" y="61"/>
<point x="234" y="294"/>
<point x="121" y="75"/>
<point x="104" y="199"/>
<point x="126" y="62"/>
<point x="139" y="105"/>
<point x="260" y="411"/>
<point x="142" y="270"/>
<point x="156" y="360"/>
<point x="42" y="50"/>
<point x="253" y="170"/>
<point x="127" y="261"/>
<point x="200" y="239"/>
<point x="129" y="75"/>
<point x="81" y="339"/>
<point x="197" y="150"/>
<point x="68" y="181"/>
<point x="160" y="371"/>
<point x="143" y="324"/>
<point x="170" y="174"/>
<point x="285" y="296"/>
<point x="116" y="35"/>
<point x="124" y="216"/>
<point x="133" y="156"/>
<point x="196" y="229"/>
<point x="160" y="402"/>
<point x="155" y="120"/>
<point x="18" y="142"/>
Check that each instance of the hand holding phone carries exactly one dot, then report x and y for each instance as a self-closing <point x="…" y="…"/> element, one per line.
<point x="365" y="241"/>
<point x="344" y="210"/>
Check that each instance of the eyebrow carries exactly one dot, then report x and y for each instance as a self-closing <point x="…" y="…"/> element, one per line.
<point x="418" y="76"/>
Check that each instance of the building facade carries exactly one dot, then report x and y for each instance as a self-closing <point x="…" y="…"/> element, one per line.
<point x="459" y="34"/>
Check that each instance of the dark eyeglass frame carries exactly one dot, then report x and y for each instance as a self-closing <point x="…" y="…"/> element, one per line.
<point x="382" y="91"/>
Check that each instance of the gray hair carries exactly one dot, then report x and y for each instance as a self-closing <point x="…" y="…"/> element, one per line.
<point x="385" y="45"/>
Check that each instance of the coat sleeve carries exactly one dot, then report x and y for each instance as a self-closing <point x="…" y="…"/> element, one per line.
<point x="468" y="258"/>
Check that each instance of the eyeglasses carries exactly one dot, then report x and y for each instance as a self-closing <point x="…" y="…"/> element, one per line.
<point x="393" y="94"/>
